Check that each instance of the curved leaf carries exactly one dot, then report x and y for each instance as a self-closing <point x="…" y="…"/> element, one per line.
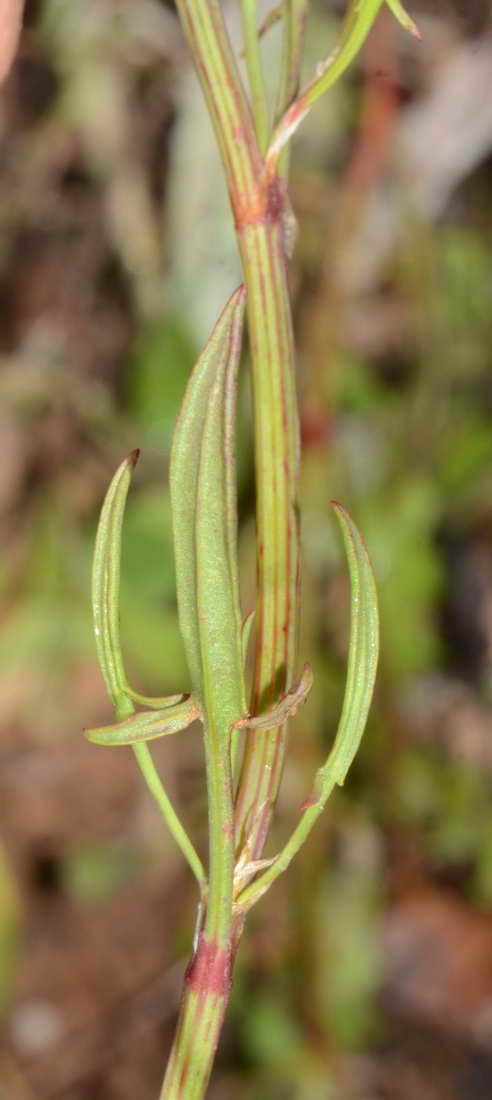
<point x="363" y="652"/>
<point x="361" y="675"/>
<point x="285" y="709"/>
<point x="147" y="725"/>
<point x="106" y="582"/>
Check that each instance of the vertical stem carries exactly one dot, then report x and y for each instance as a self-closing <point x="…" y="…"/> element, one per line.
<point x="258" y="201"/>
<point x="258" y="206"/>
<point x="205" y="996"/>
<point x="277" y="460"/>
<point x="255" y="72"/>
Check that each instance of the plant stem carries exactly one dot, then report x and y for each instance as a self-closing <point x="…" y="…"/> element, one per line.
<point x="151" y="777"/>
<point x="255" y="72"/>
<point x="258" y="205"/>
<point x="258" y="202"/>
<point x="277" y="460"/>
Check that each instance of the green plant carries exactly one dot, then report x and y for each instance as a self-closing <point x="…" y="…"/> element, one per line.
<point x="242" y="787"/>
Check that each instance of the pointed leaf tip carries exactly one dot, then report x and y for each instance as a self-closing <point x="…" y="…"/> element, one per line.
<point x="133" y="457"/>
<point x="201" y="481"/>
<point x="287" y="707"/>
<point x="106" y="581"/>
<point x="404" y="19"/>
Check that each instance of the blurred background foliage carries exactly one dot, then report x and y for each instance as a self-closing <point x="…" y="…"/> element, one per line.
<point x="367" y="973"/>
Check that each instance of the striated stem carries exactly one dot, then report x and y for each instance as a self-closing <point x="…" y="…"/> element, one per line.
<point x="258" y="206"/>
<point x="277" y="462"/>
<point x="205" y="996"/>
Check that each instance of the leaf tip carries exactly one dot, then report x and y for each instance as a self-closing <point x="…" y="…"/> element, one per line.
<point x="133" y="457"/>
<point x="339" y="509"/>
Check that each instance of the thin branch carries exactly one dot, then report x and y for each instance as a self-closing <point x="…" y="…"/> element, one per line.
<point x="255" y="72"/>
<point x="151" y="776"/>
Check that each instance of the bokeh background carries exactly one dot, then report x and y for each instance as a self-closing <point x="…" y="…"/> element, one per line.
<point x="366" y="974"/>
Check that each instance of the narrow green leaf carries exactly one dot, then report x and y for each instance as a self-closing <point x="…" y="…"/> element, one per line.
<point x="105" y="604"/>
<point x="106" y="581"/>
<point x="217" y="583"/>
<point x="147" y="725"/>
<point x="184" y="477"/>
<point x="403" y="18"/>
<point x="285" y="709"/>
<point x="361" y="674"/>
<point x="362" y="657"/>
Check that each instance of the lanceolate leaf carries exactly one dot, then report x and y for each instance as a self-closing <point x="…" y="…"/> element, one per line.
<point x="190" y="465"/>
<point x="106" y="581"/>
<point x="147" y="725"/>
<point x="285" y="709"/>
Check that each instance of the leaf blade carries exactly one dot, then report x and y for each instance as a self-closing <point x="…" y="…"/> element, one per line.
<point x="106" y="581"/>
<point x="217" y="580"/>
<point x="286" y="708"/>
<point x="184" y="473"/>
<point x="146" y="726"/>
<point x="363" y="652"/>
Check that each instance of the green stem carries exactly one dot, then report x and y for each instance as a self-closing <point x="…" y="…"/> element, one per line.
<point x="294" y="21"/>
<point x="255" y="72"/>
<point x="151" y="777"/>
<point x="228" y="106"/>
<point x="277" y="460"/>
<point x="124" y="709"/>
<point x="258" y="205"/>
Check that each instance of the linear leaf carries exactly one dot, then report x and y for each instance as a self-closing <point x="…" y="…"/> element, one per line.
<point x="363" y="653"/>
<point x="184" y="477"/>
<point x="285" y="709"/>
<point x="217" y="584"/>
<point x="106" y="580"/>
<point x="147" y="725"/>
<point x="361" y="674"/>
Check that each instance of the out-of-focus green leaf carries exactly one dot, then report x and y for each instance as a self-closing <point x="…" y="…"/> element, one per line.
<point x="163" y="357"/>
<point x="94" y="872"/>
